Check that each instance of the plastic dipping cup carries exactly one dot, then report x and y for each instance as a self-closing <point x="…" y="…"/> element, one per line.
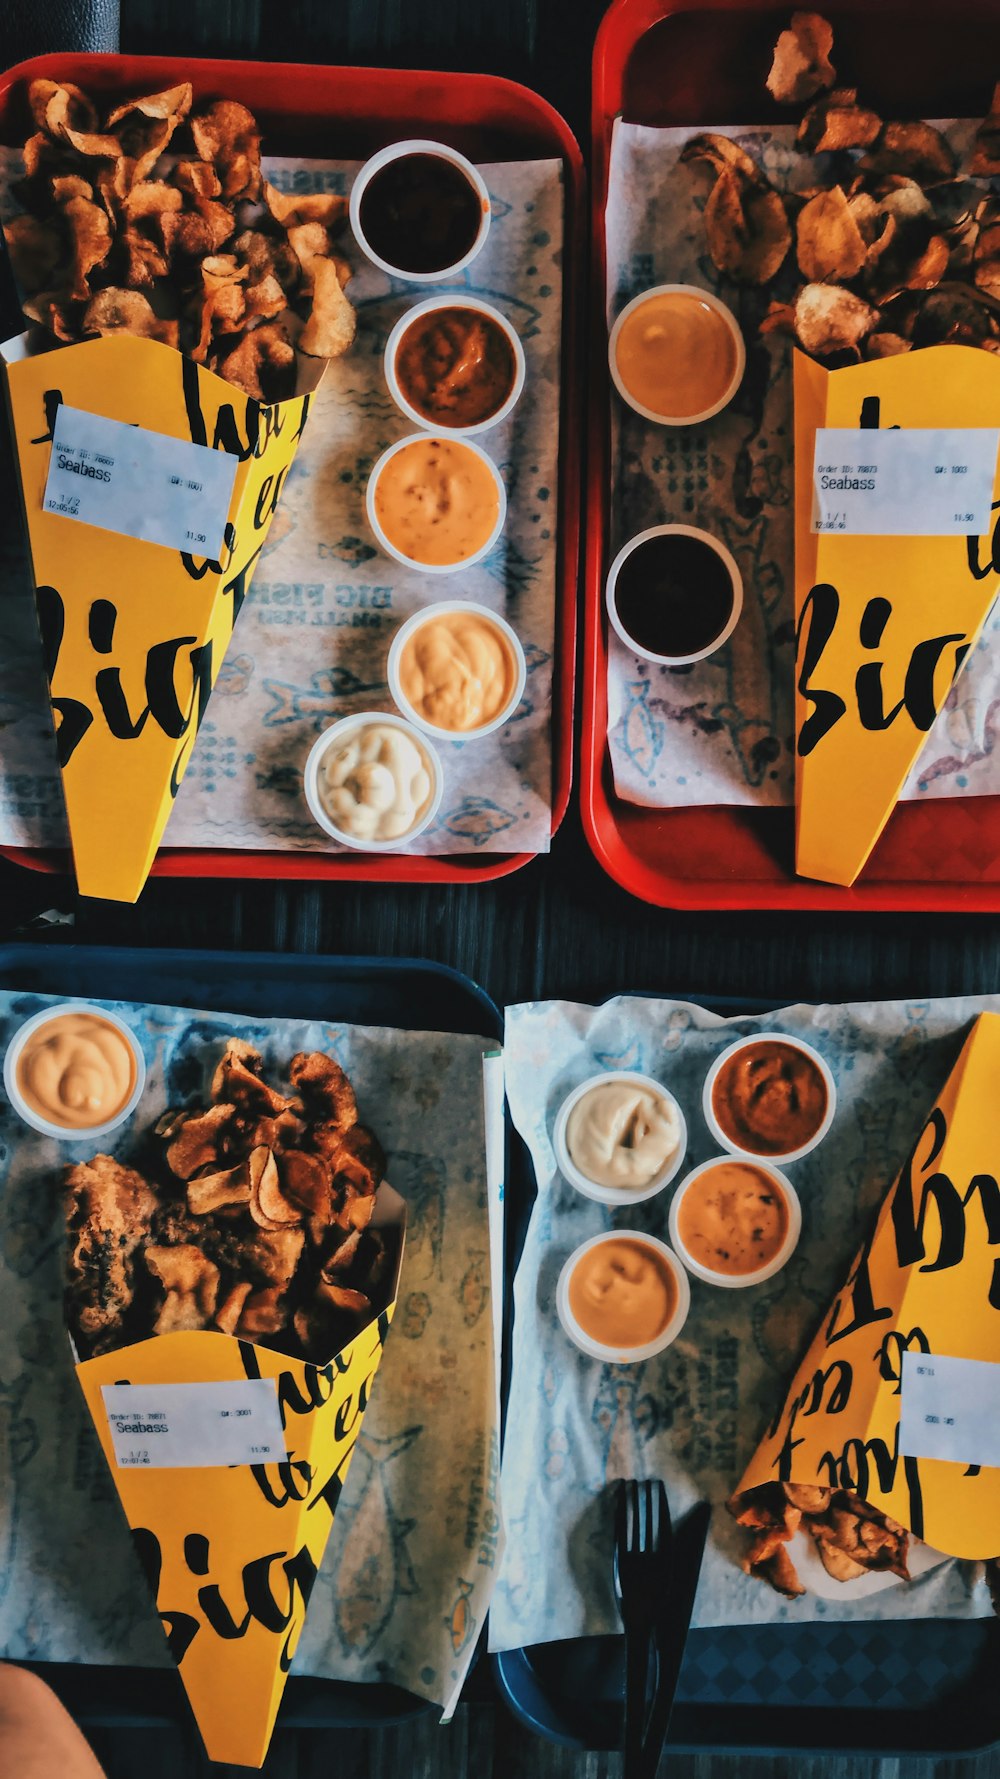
<point x="336" y="737"/>
<point x="760" y="1041"/>
<point x="436" y="503"/>
<point x="431" y="335"/>
<point x="461" y="613"/>
<point x="65" y="1133"/>
<point x="420" y="210"/>
<point x="676" y="354"/>
<point x="617" y="1195"/>
<point x="664" y="1258"/>
<point x="674" y="595"/>
<point x="734" y="1281"/>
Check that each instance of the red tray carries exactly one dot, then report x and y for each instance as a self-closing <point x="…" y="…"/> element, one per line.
<point x="350" y="112"/>
<point x="701" y="62"/>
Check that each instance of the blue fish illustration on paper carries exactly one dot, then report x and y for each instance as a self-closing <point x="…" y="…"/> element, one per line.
<point x="474" y="1291"/>
<point x="630" y="1057"/>
<point x="511" y="568"/>
<point x="461" y="1620"/>
<point x="320" y="698"/>
<point x="535" y="657"/>
<point x="19" y="1441"/>
<point x="478" y="819"/>
<point x="423" y="1179"/>
<point x="235" y="674"/>
<point x="642" y="733"/>
<point x="375" y="1568"/>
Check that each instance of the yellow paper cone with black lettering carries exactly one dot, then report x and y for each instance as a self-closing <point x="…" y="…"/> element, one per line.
<point x="231" y="1553"/>
<point x="926" y="1281"/>
<point x="884" y="622"/>
<point x="134" y="632"/>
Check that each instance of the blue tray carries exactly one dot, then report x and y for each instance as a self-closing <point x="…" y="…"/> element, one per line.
<point x="362" y="991"/>
<point x="914" y="1687"/>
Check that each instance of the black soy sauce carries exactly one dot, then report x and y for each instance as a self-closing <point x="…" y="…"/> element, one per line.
<point x="674" y="595"/>
<point x="420" y="213"/>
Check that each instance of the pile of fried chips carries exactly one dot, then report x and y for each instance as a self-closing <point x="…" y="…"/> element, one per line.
<point x="851" y="1537"/>
<point x="196" y="250"/>
<point x="898" y="247"/>
<point x="251" y="1216"/>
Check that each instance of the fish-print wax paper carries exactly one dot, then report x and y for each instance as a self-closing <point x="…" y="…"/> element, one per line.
<point x="720" y="731"/>
<point x="695" y="1414"/>
<point x="314" y="632"/>
<point x="406" y="1580"/>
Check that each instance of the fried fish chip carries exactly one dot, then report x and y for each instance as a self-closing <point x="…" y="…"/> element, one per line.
<point x="828" y="241"/>
<point x="227" y="136"/>
<point x="801" y="66"/>
<point x="829" y="319"/>
<point x="835" y="122"/>
<point x="917" y="150"/>
<point x="986" y="148"/>
<point x="747" y="228"/>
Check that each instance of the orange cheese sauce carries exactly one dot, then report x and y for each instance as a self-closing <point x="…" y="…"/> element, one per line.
<point x="769" y="1097"/>
<point x="76" y="1070"/>
<point x="436" y="501"/>
<point x="621" y="1293"/>
<point x="733" y="1218"/>
<point x="458" y="671"/>
<point x="676" y="355"/>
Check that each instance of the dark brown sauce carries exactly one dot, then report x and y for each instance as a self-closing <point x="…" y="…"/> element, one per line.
<point x="674" y="595"/>
<point x="420" y="213"/>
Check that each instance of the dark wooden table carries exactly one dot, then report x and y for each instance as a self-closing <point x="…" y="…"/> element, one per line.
<point x="559" y="927"/>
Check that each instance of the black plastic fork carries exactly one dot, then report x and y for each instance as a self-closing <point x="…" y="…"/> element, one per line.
<point x="643" y="1541"/>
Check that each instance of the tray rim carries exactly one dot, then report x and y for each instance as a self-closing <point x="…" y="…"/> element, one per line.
<point x="506" y="1664"/>
<point x="623" y="26"/>
<point x="523" y="104"/>
<point x="89" y="1688"/>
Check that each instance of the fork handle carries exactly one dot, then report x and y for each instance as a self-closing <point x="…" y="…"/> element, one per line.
<point x="637" y="1641"/>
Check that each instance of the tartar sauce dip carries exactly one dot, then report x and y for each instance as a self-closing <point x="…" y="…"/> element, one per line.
<point x="621" y="1293"/>
<point x="76" y="1070"/>
<point x="457" y="670"/>
<point x="376" y="782"/>
<point x="621" y="1134"/>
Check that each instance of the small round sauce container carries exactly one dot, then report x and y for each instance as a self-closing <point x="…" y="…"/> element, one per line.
<point x="457" y="670"/>
<point x="770" y="1096"/>
<point x="676" y="354"/>
<point x="74" y="1071"/>
<point x="734" y="1221"/>
<point x="619" y="1137"/>
<point x="420" y="211"/>
<point x="437" y="504"/>
<point x="373" y="782"/>
<point x="454" y="363"/>
<point x="622" y="1297"/>
<point x="674" y="594"/>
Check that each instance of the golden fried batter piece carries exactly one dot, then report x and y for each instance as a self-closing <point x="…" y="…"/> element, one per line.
<point x="325" y="1091"/>
<point x="108" y="1215"/>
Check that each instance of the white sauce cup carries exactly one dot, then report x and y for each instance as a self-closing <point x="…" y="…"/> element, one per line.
<point x="738" y="1281"/>
<point x="390" y="549"/>
<point x="616" y="1195"/>
<point x="427" y="308"/>
<point x="596" y="1349"/>
<point x="334" y="737"/>
<point x="441" y="609"/>
<point x="397" y="151"/>
<point x="730" y="1142"/>
<point x="65" y="1133"/>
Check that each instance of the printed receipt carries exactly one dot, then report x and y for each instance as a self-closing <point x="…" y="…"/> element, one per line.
<point x="950" y="1409"/>
<point x="194" y="1426"/>
<point x="142" y="484"/>
<point x="904" y="481"/>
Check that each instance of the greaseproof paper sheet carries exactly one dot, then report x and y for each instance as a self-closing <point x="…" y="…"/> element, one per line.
<point x="313" y="636"/>
<point x="720" y="732"/>
<point x="695" y="1414"/>
<point x="408" y="1573"/>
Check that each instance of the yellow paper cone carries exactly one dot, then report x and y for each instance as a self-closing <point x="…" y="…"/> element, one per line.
<point x="134" y="633"/>
<point x="926" y="1280"/>
<point x="231" y="1553"/>
<point x="884" y="623"/>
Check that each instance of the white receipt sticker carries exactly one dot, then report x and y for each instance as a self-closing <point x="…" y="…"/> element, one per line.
<point x="904" y="481"/>
<point x="188" y="1426"/>
<point x="143" y="484"/>
<point x="950" y="1408"/>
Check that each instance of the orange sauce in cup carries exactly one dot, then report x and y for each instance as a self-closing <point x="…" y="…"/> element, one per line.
<point x="436" y="501"/>
<point x="676" y="354"/>
<point x="733" y="1218"/>
<point x="622" y="1293"/>
<point x="76" y="1070"/>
